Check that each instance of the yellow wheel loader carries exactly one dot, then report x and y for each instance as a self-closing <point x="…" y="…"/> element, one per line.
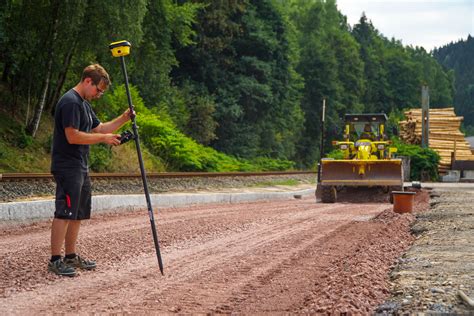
<point x="367" y="159"/>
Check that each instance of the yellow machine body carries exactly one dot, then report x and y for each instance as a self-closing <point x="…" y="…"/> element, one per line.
<point x="120" y="48"/>
<point x="367" y="159"/>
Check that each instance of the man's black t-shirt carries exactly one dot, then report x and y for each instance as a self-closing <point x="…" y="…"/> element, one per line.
<point x="71" y="111"/>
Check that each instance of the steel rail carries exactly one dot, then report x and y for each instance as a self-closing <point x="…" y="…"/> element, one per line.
<point x="38" y="176"/>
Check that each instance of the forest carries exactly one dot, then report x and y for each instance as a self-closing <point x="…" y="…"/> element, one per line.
<point x="459" y="57"/>
<point x="228" y="85"/>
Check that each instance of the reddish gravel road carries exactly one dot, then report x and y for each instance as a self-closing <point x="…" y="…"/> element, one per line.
<point x="279" y="256"/>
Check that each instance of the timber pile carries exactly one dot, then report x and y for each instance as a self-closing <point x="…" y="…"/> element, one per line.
<point x="444" y="135"/>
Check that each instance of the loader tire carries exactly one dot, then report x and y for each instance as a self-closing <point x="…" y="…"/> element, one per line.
<point x="328" y="194"/>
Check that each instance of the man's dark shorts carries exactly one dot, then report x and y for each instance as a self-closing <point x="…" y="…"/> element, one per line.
<point x="73" y="195"/>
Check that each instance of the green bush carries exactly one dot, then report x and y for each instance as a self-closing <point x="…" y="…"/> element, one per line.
<point x="115" y="102"/>
<point x="161" y="136"/>
<point x="23" y="140"/>
<point x="100" y="157"/>
<point x="422" y="160"/>
<point x="336" y="154"/>
<point x="181" y="153"/>
<point x="268" y="164"/>
<point x="48" y="144"/>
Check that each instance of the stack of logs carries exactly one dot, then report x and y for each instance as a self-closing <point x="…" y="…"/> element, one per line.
<point x="444" y="135"/>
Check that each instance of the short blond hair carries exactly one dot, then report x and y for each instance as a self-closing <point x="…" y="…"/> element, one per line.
<point x="97" y="73"/>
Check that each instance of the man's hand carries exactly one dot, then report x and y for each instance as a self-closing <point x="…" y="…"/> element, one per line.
<point x="115" y="124"/>
<point x="112" y="139"/>
<point x="127" y="115"/>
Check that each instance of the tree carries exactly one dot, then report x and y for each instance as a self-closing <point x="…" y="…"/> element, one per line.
<point x="372" y="53"/>
<point x="394" y="73"/>
<point x="458" y="58"/>
<point x="242" y="58"/>
<point x="332" y="70"/>
<point x="46" y="37"/>
<point x="32" y="126"/>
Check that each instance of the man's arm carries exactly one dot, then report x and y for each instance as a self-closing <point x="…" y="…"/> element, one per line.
<point x="115" y="124"/>
<point x="76" y="137"/>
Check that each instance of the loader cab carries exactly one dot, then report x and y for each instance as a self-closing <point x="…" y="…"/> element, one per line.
<point x="365" y="126"/>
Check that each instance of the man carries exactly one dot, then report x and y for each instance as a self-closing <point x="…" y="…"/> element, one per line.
<point x="75" y="128"/>
<point x="367" y="133"/>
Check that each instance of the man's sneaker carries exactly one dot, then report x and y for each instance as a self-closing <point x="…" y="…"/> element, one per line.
<point x="60" y="268"/>
<point x="81" y="263"/>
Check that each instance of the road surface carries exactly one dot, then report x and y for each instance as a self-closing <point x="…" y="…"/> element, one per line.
<point x="291" y="256"/>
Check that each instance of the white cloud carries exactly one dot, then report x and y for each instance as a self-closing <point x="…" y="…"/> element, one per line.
<point x="427" y="23"/>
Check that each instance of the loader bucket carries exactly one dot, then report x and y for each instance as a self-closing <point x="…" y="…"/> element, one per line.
<point x="362" y="173"/>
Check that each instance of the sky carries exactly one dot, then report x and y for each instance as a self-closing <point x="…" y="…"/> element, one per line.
<point x="427" y="23"/>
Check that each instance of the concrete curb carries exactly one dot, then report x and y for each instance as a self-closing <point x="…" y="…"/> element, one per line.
<point x="444" y="185"/>
<point x="44" y="209"/>
<point x="448" y="186"/>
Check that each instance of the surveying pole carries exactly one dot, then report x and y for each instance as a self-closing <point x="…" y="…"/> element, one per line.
<point x="122" y="49"/>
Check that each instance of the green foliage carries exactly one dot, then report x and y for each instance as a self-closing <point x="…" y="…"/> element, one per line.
<point x="175" y="150"/>
<point x="242" y="58"/>
<point x="468" y="130"/>
<point x="244" y="77"/>
<point x="167" y="24"/>
<point x="22" y="140"/>
<point x="48" y="144"/>
<point x="201" y="125"/>
<point x="335" y="154"/>
<point x="332" y="69"/>
<point x="100" y="157"/>
<point x="458" y="58"/>
<point x="115" y="102"/>
<point x="20" y="152"/>
<point x="269" y="164"/>
<point x="391" y="126"/>
<point x="181" y="153"/>
<point x="394" y="73"/>
<point x="277" y="182"/>
<point x="423" y="161"/>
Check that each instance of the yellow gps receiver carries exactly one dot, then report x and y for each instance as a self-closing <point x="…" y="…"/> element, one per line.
<point x="120" y="48"/>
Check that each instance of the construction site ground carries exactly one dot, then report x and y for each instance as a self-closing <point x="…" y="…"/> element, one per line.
<point x="286" y="256"/>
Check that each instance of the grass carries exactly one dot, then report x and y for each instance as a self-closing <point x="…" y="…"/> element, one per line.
<point x="20" y="152"/>
<point x="289" y="182"/>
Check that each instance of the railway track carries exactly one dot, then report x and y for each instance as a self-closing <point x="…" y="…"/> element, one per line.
<point x="163" y="175"/>
<point x="16" y="186"/>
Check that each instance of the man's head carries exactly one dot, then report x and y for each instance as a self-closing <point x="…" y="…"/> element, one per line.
<point x="367" y="128"/>
<point x="94" y="81"/>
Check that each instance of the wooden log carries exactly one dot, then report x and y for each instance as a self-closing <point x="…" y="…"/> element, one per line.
<point x="443" y="118"/>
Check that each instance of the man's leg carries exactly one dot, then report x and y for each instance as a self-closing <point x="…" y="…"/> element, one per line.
<point x="65" y="211"/>
<point x="84" y="212"/>
<point x="58" y="234"/>
<point x="71" y="236"/>
<point x="72" y="259"/>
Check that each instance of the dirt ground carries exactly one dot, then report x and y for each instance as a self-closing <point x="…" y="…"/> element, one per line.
<point x="440" y="264"/>
<point x="292" y="256"/>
